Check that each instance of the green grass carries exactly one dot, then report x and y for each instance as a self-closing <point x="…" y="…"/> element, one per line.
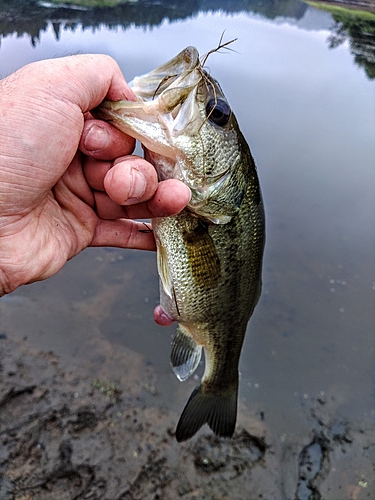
<point x="92" y="3"/>
<point x="109" y="389"/>
<point x="337" y="9"/>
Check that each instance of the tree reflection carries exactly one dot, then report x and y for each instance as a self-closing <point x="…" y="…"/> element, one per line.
<point x="33" y="17"/>
<point x="355" y="26"/>
<point x="360" y="34"/>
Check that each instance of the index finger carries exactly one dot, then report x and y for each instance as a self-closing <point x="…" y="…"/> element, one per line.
<point x="170" y="198"/>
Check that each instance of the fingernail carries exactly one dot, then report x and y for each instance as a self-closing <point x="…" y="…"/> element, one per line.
<point x="96" y="139"/>
<point x="138" y="185"/>
<point x="189" y="191"/>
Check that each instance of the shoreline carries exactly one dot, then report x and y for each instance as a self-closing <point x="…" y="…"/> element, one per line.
<point x="352" y="5"/>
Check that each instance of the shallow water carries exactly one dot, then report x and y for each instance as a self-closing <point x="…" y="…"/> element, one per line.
<point x="307" y="112"/>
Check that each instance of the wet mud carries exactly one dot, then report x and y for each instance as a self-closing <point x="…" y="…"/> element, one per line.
<point x="65" y="437"/>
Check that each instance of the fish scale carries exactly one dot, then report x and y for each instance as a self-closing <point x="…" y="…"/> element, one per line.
<point x="210" y="254"/>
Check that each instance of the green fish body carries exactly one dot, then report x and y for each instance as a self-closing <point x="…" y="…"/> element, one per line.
<point x="210" y="255"/>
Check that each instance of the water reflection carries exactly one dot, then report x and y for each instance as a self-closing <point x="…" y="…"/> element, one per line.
<point x="360" y="32"/>
<point x="308" y="359"/>
<point x="33" y="18"/>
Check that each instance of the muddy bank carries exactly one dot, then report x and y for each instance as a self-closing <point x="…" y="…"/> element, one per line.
<point x="65" y="437"/>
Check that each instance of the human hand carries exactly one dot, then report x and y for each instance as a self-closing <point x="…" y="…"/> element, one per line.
<point x="60" y="190"/>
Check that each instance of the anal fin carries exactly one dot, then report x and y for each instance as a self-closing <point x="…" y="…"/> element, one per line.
<point x="185" y="353"/>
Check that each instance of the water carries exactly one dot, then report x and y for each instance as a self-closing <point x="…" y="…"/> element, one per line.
<point x="307" y="112"/>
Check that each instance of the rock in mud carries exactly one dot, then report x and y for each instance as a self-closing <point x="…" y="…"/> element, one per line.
<point x="211" y="454"/>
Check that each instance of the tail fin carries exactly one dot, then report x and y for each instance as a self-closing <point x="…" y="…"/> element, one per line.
<point x="218" y="410"/>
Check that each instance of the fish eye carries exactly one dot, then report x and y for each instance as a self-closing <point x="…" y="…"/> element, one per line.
<point x="218" y="111"/>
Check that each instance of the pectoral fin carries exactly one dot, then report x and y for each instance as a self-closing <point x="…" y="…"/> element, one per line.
<point x="165" y="278"/>
<point x="203" y="259"/>
<point x="185" y="353"/>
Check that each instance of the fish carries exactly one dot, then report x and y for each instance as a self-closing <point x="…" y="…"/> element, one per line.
<point x="209" y="256"/>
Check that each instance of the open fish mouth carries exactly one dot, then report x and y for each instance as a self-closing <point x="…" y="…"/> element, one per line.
<point x="164" y="106"/>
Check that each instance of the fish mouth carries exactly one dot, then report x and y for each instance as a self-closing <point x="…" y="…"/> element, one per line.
<point x="165" y="106"/>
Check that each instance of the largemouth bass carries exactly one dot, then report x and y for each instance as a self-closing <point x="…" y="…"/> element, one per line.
<point x="210" y="255"/>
